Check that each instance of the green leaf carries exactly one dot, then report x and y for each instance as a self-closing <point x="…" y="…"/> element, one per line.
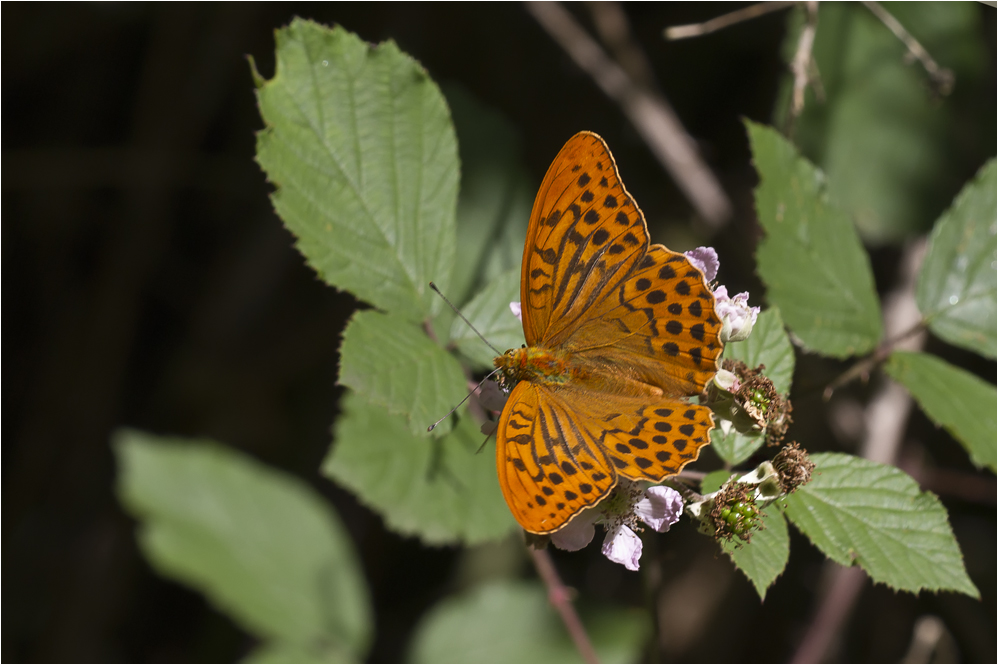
<point x="496" y="197"/>
<point x="490" y="314"/>
<point x="515" y="623"/>
<point x="858" y="511"/>
<point x="735" y="447"/>
<point x="359" y="143"/>
<point x="768" y="345"/>
<point x="713" y="480"/>
<point x="764" y="557"/>
<point x="957" y="285"/>
<point x="392" y="363"/>
<point x="811" y="260"/>
<point x="890" y="147"/>
<point x="261" y="545"/>
<point x="442" y="490"/>
<point x="953" y="398"/>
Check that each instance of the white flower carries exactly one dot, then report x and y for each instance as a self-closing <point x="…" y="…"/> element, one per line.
<point x="737" y="318"/>
<point x="704" y="259"/>
<point x="658" y="507"/>
<point x="623" y="546"/>
<point x="578" y="533"/>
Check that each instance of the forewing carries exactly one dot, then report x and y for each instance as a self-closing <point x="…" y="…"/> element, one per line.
<point x="658" y="327"/>
<point x="550" y="462"/>
<point x="585" y="236"/>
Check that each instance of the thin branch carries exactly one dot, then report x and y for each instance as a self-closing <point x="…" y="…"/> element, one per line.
<point x="560" y="597"/>
<point x="649" y="112"/>
<point x="904" y="327"/>
<point x="942" y="78"/>
<point x="721" y="22"/>
<point x="614" y="30"/>
<point x="886" y="417"/>
<point x="842" y="588"/>
<point x="801" y="65"/>
<point x="865" y="367"/>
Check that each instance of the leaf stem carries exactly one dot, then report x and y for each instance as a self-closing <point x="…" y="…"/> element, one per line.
<point x="560" y="597"/>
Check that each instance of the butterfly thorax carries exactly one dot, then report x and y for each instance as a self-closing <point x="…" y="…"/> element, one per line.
<point x="536" y="364"/>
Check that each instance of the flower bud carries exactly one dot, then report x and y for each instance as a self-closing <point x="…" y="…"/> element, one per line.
<point x="737" y="318"/>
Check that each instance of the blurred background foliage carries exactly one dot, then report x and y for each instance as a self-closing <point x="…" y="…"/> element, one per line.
<point x="150" y="285"/>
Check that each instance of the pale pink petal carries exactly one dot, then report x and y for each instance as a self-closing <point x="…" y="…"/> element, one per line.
<point x="660" y="508"/>
<point x="737" y="318"/>
<point x="705" y="259"/>
<point x="515" y="308"/>
<point x="576" y="534"/>
<point x="623" y="546"/>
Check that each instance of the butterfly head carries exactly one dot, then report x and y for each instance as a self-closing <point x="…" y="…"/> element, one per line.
<point x="511" y="367"/>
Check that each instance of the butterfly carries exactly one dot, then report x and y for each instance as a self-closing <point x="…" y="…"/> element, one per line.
<point x="619" y="332"/>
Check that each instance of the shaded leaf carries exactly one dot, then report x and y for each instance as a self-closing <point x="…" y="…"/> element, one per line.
<point x="954" y="398"/>
<point x="811" y="260"/>
<point x="286" y="652"/>
<point x="392" y="363"/>
<point x="957" y="284"/>
<point x="494" y="205"/>
<point x="764" y="557"/>
<point x="513" y="622"/>
<point x="359" y="143"/>
<point x="858" y="511"/>
<point x="713" y="481"/>
<point x="768" y="345"/>
<point x="260" y="544"/>
<point x="441" y="490"/>
<point x="735" y="447"/>
<point x="489" y="312"/>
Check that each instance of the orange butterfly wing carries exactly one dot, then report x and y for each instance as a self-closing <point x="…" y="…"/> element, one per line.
<point x="639" y="325"/>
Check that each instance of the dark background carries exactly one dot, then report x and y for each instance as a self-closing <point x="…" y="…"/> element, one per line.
<point x="148" y="283"/>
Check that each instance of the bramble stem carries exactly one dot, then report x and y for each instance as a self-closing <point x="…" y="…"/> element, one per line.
<point x="560" y="597"/>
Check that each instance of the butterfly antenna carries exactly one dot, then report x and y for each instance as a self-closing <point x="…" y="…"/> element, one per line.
<point x="466" y="397"/>
<point x="482" y="447"/>
<point x="463" y="318"/>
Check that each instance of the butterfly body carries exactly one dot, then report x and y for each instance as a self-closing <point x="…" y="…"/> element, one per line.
<point x="536" y="364"/>
<point x="619" y="334"/>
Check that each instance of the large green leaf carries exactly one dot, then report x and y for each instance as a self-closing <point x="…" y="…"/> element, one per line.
<point x="489" y="312"/>
<point x="768" y="345"/>
<point x="287" y="652"/>
<point x="442" y="490"/>
<point x="957" y="285"/>
<point x="392" y="363"/>
<point x="513" y="622"/>
<point x="359" y="143"/>
<point x="764" y="557"/>
<point x="261" y="545"/>
<point x="811" y="259"/>
<point x="890" y="147"/>
<point x="858" y="511"/>
<point x="494" y="206"/>
<point x="953" y="398"/>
